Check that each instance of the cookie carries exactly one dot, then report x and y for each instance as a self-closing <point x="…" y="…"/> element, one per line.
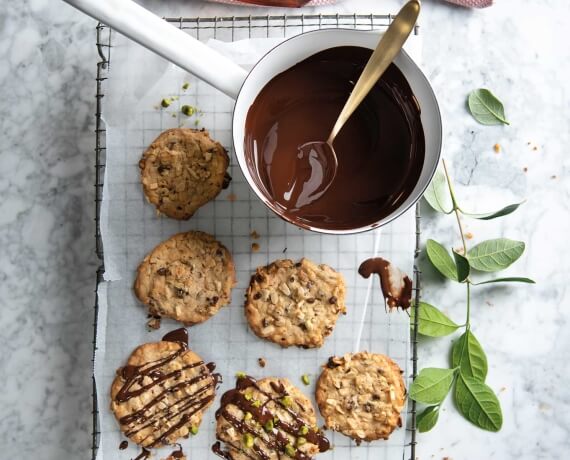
<point x="162" y="392"/>
<point x="182" y="170"/>
<point x="269" y="419"/>
<point x="361" y="395"/>
<point x="295" y="303"/>
<point x="188" y="277"/>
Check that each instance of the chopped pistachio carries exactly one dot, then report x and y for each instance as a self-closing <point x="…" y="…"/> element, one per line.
<point x="188" y="110"/>
<point x="185" y="86"/>
<point x="248" y="395"/>
<point x="196" y="122"/>
<point x="194" y="429"/>
<point x="301" y="441"/>
<point x="269" y="425"/>
<point x="256" y="403"/>
<point x="165" y="102"/>
<point x="290" y="450"/>
<point x="247" y="416"/>
<point x="305" y="379"/>
<point x="247" y="440"/>
<point x="286" y="401"/>
<point x="304" y="430"/>
<point x="240" y="375"/>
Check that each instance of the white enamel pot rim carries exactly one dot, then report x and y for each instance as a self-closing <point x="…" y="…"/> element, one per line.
<point x="180" y="48"/>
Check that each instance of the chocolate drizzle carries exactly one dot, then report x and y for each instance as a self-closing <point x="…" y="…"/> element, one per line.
<point x="274" y="427"/>
<point x="123" y="445"/>
<point x="396" y="285"/>
<point x="139" y="380"/>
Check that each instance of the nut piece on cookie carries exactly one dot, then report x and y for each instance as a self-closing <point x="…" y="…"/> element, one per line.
<point x="182" y="170"/>
<point x="295" y="303"/>
<point x="188" y="277"/>
<point x="267" y="419"/>
<point x="361" y="395"/>
<point x="162" y="392"/>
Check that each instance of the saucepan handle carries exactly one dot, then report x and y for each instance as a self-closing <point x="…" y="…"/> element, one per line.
<point x="154" y="33"/>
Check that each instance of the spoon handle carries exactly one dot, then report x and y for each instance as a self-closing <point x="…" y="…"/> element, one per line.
<point x="388" y="48"/>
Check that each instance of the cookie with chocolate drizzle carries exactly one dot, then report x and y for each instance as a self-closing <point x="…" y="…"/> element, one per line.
<point x="269" y="419"/>
<point x="162" y="392"/>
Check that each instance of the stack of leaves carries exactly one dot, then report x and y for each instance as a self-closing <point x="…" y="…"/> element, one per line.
<point x="466" y="375"/>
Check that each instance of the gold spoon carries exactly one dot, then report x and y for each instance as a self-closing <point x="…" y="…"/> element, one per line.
<point x="323" y="153"/>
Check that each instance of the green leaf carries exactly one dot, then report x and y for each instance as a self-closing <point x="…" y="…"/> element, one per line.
<point x="463" y="267"/>
<point x="512" y="279"/>
<point x="437" y="194"/>
<point x="468" y="355"/>
<point x="440" y="259"/>
<point x="432" y="322"/>
<point x="495" y="255"/>
<point x="478" y="404"/>
<point x="427" y="419"/>
<point x="432" y="385"/>
<point x="492" y="215"/>
<point x="486" y="108"/>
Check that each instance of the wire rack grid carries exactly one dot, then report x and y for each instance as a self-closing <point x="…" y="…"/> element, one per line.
<point x="231" y="29"/>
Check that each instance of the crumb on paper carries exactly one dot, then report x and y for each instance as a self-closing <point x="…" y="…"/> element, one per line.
<point x="166" y="102"/>
<point x="154" y="323"/>
<point x="232" y="197"/>
<point x="255" y="247"/>
<point x="525" y="169"/>
<point x="497" y="148"/>
<point x="173" y="115"/>
<point x="261" y="362"/>
<point x="459" y="250"/>
<point x="284" y="250"/>
<point x="254" y="235"/>
<point x="196" y="122"/>
<point x="502" y="389"/>
<point x="488" y="303"/>
<point x="554" y="176"/>
<point x="469" y="235"/>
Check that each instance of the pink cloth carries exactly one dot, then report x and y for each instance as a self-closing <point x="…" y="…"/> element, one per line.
<point x="472" y="3"/>
<point x="465" y="3"/>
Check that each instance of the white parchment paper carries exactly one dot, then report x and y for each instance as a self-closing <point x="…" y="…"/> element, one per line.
<point x="138" y="80"/>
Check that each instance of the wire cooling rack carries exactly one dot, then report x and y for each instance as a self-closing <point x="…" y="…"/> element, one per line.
<point x="231" y="29"/>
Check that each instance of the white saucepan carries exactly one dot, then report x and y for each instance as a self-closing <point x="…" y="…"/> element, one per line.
<point x="178" y="47"/>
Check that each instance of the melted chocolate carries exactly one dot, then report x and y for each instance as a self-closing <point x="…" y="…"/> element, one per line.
<point x="396" y="285"/>
<point x="177" y="335"/>
<point x="380" y="150"/>
<point x="123" y="445"/>
<point x="261" y="414"/>
<point x="145" y="453"/>
<point x="180" y="412"/>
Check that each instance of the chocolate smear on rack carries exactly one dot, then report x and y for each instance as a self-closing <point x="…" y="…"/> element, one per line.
<point x="179" y="453"/>
<point x="177" y="335"/>
<point x="396" y="285"/>
<point x="159" y="410"/>
<point x="276" y="428"/>
<point x="123" y="445"/>
<point x="145" y="453"/>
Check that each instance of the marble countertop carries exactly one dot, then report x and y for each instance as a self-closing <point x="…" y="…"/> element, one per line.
<point x="518" y="48"/>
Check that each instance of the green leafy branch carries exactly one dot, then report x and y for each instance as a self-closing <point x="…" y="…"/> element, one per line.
<point x="474" y="399"/>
